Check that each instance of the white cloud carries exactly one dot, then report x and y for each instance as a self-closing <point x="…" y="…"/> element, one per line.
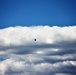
<point x="10" y="66"/>
<point x="44" y="35"/>
<point x="53" y="52"/>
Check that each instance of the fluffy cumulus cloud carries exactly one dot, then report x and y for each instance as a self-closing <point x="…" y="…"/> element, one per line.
<point x="38" y="50"/>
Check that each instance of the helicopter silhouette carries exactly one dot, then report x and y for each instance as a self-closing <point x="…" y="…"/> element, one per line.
<point x="34" y="39"/>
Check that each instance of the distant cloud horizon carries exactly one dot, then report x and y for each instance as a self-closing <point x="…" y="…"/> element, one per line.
<point x="52" y="53"/>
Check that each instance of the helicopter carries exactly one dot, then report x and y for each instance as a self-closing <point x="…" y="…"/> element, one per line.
<point x="35" y="39"/>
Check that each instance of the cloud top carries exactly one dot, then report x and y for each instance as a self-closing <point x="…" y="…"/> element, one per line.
<point x="43" y="34"/>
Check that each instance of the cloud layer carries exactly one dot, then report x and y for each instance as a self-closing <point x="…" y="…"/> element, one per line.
<point x="53" y="52"/>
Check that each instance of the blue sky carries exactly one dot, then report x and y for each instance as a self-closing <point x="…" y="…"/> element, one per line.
<point x="37" y="12"/>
